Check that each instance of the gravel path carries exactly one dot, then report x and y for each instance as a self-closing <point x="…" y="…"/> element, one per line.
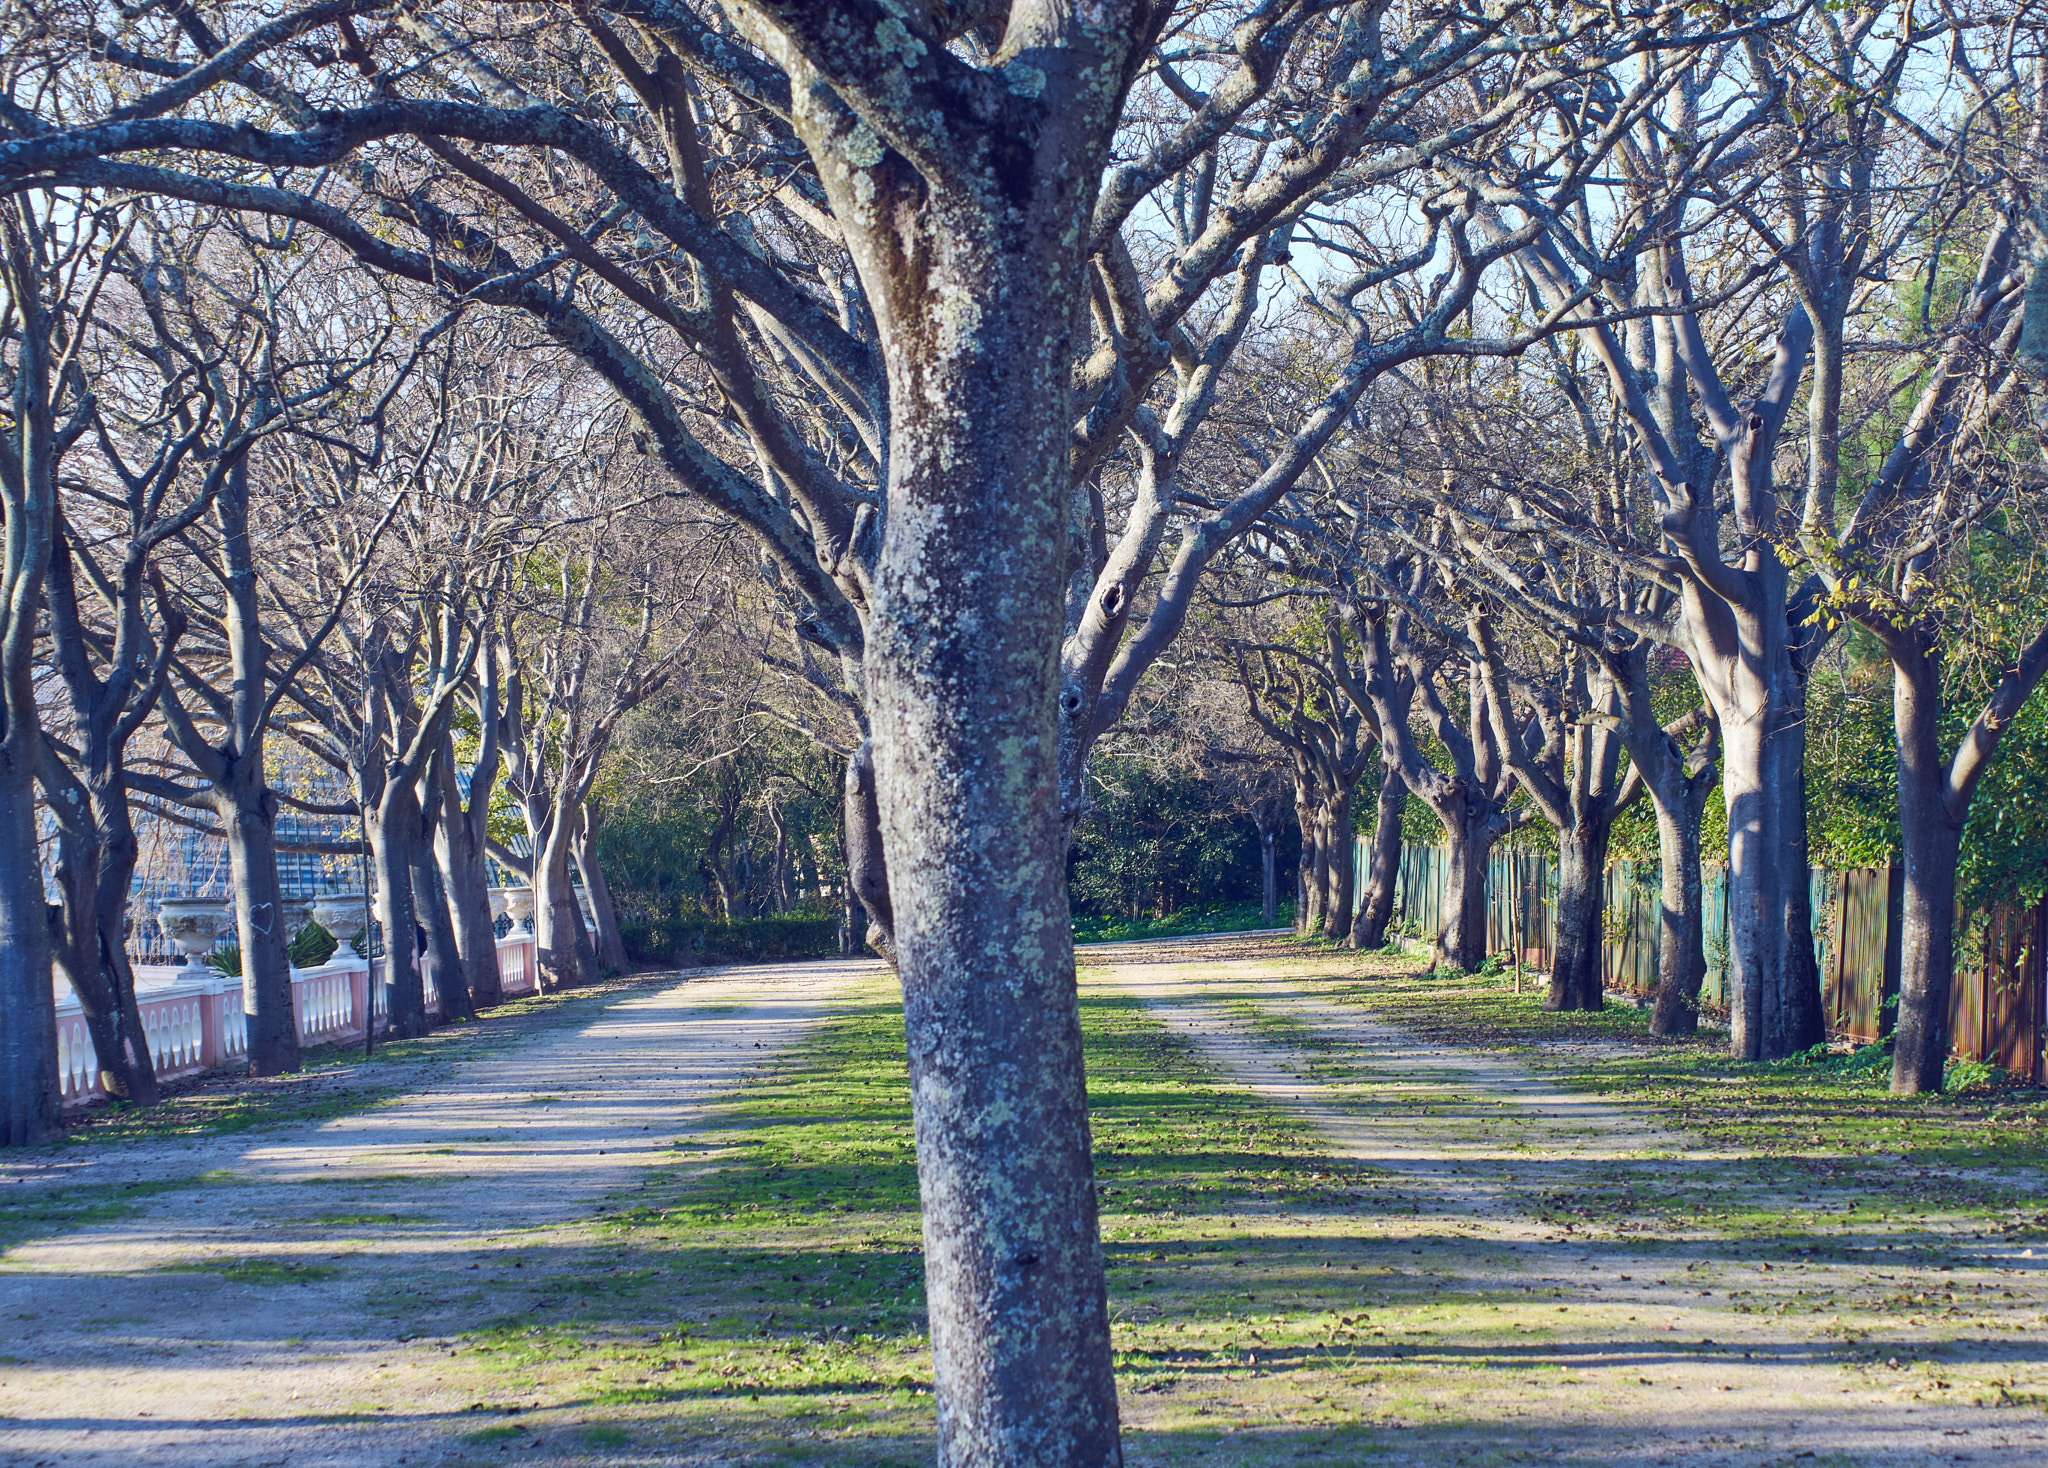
<point x="291" y="1296"/>
<point x="1674" y="1372"/>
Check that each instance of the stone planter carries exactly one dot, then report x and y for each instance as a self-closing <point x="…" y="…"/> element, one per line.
<point x="194" y="924"/>
<point x="342" y="914"/>
<point x="518" y="907"/>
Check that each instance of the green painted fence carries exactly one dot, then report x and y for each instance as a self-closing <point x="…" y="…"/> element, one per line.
<point x="1998" y="1012"/>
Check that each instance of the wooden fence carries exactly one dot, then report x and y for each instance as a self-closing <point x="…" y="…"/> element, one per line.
<point x="1998" y="1010"/>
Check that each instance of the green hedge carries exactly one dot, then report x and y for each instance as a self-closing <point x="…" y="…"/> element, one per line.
<point x="1219" y="917"/>
<point x="700" y="940"/>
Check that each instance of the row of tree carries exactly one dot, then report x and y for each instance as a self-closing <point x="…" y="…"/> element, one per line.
<point x="1000" y="329"/>
<point x="312" y="545"/>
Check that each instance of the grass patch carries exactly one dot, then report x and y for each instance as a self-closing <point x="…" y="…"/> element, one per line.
<point x="1825" y="1115"/>
<point x="779" y="1290"/>
<point x="255" y="1271"/>
<point x="364" y="1220"/>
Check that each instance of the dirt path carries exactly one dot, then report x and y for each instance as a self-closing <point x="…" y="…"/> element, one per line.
<point x="1685" y="1349"/>
<point x="291" y="1296"/>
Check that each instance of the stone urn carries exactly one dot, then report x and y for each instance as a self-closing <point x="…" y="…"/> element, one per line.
<point x="344" y="915"/>
<point x="194" y="925"/>
<point x="499" y="903"/>
<point x="518" y="906"/>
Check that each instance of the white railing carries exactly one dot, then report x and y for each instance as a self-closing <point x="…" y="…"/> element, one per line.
<point x="192" y="1019"/>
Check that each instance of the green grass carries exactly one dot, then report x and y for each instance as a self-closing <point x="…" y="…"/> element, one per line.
<point x="252" y="1271"/>
<point x="782" y="1288"/>
<point x="1827" y="1112"/>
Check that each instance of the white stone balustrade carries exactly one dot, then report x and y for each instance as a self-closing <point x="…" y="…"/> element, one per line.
<point x="194" y="1021"/>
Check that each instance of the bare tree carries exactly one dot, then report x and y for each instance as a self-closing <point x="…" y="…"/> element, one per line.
<point x="51" y="282"/>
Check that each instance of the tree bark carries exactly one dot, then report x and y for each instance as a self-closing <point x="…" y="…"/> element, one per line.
<point x="1462" y="943"/>
<point x="867" y="875"/>
<point x="1266" y="817"/>
<point x="1339" y="868"/>
<point x="96" y="859"/>
<point x="974" y="281"/>
<point x="1681" y="952"/>
<point x="461" y="836"/>
<point x="28" y="1010"/>
<point x="465" y="877"/>
<point x="249" y="812"/>
<point x="1774" y="1002"/>
<point x="442" y="963"/>
<point x="1577" y="981"/>
<point x="1930" y="840"/>
<point x="1377" y="909"/>
<point x="557" y="924"/>
<point x="1308" y="884"/>
<point x="610" y="948"/>
<point x="393" y="829"/>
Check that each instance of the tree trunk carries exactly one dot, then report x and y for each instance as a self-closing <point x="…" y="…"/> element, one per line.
<point x="1462" y="943"/>
<point x="1308" y="902"/>
<point x="1576" y="979"/>
<point x="1930" y="838"/>
<point x="609" y="947"/>
<point x="867" y="874"/>
<point x="394" y="824"/>
<point x="466" y="878"/>
<point x="1269" y="908"/>
<point x="852" y="921"/>
<point x="443" y="967"/>
<point x="962" y="666"/>
<point x="96" y="857"/>
<point x="557" y="925"/>
<point x="1369" y="930"/>
<point x="248" y="810"/>
<point x="28" y="1012"/>
<point x="1340" y="868"/>
<point x="1774" y="1003"/>
<point x="1681" y="953"/>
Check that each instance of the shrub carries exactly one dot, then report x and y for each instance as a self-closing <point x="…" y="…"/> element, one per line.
<point x="312" y="946"/>
<point x="702" y="940"/>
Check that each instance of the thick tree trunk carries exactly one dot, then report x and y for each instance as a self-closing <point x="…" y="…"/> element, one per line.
<point x="1462" y="943"/>
<point x="28" y="1013"/>
<point x="249" y="812"/>
<point x="1339" y="868"/>
<point x="394" y="823"/>
<point x="1577" y="981"/>
<point x="964" y="639"/>
<point x="1369" y="930"/>
<point x="557" y="925"/>
<point x="1930" y="838"/>
<point x="1774" y="1002"/>
<point x="96" y="860"/>
<point x="466" y="878"/>
<point x="1308" y="883"/>
<point x="1681" y="952"/>
<point x="867" y="874"/>
<point x="442" y="964"/>
<point x="609" y="947"/>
